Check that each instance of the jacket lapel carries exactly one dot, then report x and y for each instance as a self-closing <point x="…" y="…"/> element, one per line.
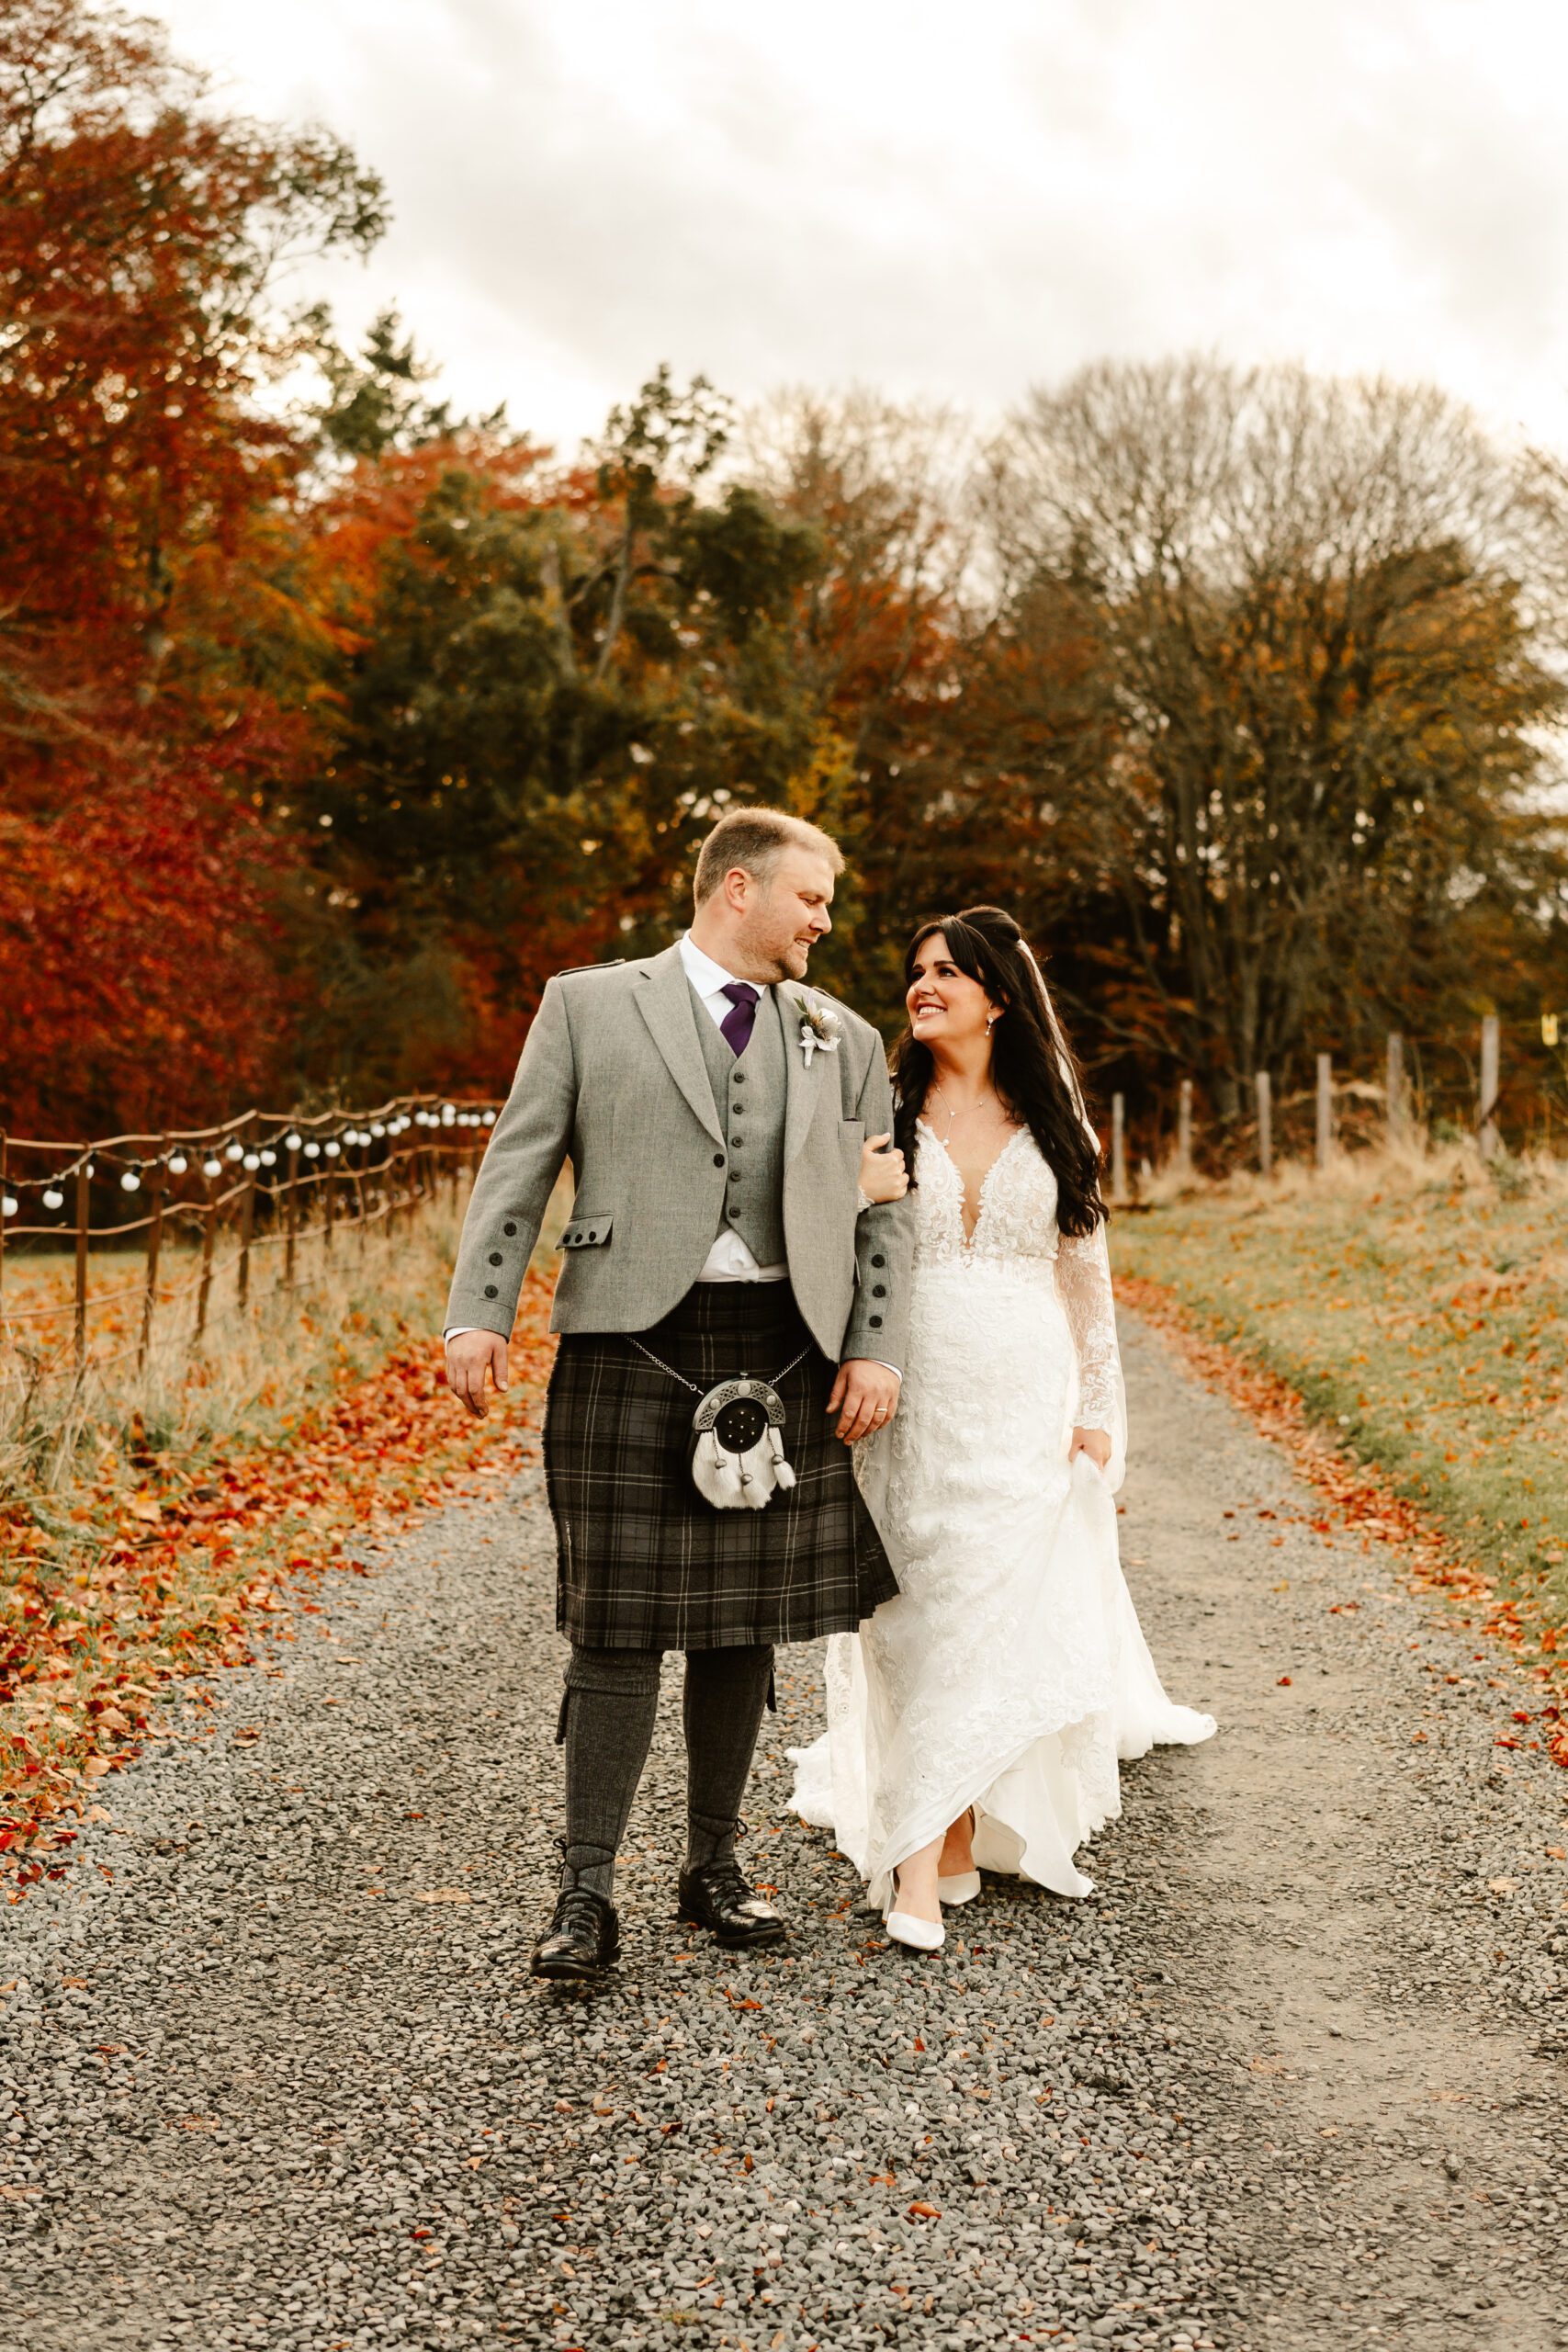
<point x="803" y="1083"/>
<point x="664" y="1000"/>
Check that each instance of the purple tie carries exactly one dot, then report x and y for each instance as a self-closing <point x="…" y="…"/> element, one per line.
<point x="737" y="1024"/>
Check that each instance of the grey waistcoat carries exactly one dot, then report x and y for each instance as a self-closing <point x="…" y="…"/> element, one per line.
<point x="749" y="1095"/>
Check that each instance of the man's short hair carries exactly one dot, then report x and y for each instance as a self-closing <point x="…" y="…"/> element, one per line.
<point x="756" y="838"/>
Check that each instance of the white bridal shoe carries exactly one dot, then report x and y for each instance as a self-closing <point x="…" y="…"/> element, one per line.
<point x="920" y="1935"/>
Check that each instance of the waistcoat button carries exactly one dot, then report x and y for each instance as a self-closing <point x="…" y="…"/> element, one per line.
<point x="875" y="1262"/>
<point x="495" y="1257"/>
<point x="879" y="1290"/>
<point x="509" y="1230"/>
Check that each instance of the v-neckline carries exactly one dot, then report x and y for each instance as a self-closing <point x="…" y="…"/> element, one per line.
<point x="967" y="1234"/>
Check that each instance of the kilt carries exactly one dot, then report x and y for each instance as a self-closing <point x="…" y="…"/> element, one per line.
<point x="642" y="1561"/>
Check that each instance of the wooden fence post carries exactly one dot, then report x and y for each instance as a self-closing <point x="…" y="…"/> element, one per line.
<point x="1325" y="1108"/>
<point x="1393" y="1087"/>
<point x="209" y="1236"/>
<point x="1117" y="1148"/>
<point x="290" y="1215"/>
<point x="247" y="1226"/>
<point x="1184" y="1128"/>
<point x="1486" y="1112"/>
<point x="1265" y="1122"/>
<point x="154" y="1241"/>
<point x="84" y="1209"/>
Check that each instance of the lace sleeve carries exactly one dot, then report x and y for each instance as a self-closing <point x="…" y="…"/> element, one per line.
<point x="1083" y="1282"/>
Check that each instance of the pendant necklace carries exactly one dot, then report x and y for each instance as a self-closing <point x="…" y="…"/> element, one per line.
<point x="989" y="1096"/>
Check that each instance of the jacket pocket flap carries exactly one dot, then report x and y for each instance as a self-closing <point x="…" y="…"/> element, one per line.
<point x="585" y="1233"/>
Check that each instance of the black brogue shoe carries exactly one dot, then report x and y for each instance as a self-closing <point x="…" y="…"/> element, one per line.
<point x="582" y="1939"/>
<point x="718" y="1897"/>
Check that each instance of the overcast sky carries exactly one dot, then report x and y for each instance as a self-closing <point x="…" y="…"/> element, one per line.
<point x="952" y="200"/>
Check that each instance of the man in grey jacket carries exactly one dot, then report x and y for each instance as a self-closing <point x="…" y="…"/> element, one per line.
<point x="712" y="1109"/>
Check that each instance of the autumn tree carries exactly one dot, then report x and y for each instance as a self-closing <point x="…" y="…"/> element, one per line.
<point x="1310" y="647"/>
<point x="140" y="235"/>
<point x="142" y="231"/>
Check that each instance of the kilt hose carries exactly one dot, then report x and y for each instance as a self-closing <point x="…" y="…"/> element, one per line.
<point x="642" y="1561"/>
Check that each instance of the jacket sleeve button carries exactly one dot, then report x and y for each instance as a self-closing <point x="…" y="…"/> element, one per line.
<point x="495" y="1257"/>
<point x="491" y="1291"/>
<point x="509" y="1230"/>
<point x="875" y="1322"/>
<point x="593" y="1236"/>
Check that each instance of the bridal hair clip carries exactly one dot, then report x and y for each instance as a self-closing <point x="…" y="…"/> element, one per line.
<point x="819" y="1027"/>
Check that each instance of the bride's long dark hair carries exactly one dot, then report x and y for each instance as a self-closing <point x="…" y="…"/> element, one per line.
<point x="1032" y="1066"/>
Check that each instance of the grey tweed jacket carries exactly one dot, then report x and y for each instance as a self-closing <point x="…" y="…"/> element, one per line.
<point x="613" y="1079"/>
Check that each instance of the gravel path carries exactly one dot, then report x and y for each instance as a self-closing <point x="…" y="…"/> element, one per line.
<point x="271" y="2072"/>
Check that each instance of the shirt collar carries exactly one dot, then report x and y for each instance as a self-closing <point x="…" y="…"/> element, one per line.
<point x="706" y="977"/>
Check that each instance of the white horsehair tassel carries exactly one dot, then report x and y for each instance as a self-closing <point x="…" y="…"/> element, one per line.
<point x="782" y="1475"/>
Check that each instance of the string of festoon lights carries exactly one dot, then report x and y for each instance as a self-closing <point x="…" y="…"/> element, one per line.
<point x="215" y="1160"/>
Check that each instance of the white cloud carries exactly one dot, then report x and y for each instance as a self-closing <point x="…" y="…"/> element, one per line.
<point x="935" y="200"/>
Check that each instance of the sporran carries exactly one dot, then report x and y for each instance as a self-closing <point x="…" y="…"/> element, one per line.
<point x="737" y="1454"/>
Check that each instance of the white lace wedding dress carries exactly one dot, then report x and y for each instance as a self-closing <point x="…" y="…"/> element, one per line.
<point x="1010" y="1673"/>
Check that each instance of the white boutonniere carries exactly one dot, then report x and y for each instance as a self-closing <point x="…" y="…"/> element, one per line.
<point x="819" y="1027"/>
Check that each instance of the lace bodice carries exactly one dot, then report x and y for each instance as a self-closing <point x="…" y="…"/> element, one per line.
<point x="1017" y="1226"/>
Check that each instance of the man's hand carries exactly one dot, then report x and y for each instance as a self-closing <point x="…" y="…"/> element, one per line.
<point x="470" y="1355"/>
<point x="866" y="1395"/>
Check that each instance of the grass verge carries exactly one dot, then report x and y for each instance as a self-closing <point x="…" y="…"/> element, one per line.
<point x="1414" y="1303"/>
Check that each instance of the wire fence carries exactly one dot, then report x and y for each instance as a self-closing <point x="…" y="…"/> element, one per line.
<point x="104" y="1246"/>
<point x="1505" y="1090"/>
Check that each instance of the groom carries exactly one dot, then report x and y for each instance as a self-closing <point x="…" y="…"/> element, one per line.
<point x="712" y="1109"/>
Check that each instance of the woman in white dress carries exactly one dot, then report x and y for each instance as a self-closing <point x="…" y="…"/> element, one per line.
<point x="976" y="1720"/>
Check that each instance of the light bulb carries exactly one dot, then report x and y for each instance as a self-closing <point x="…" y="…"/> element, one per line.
<point x="252" y="1160"/>
<point x="332" y="1149"/>
<point x="53" y="1199"/>
<point x="490" y="1118"/>
<point x="312" y="1151"/>
<point x="131" y="1182"/>
<point x="213" y="1168"/>
<point x="235" y="1151"/>
<point x="269" y="1160"/>
<point x="378" y="1127"/>
<point x="9" y="1206"/>
<point x="178" y="1163"/>
<point x="291" y="1143"/>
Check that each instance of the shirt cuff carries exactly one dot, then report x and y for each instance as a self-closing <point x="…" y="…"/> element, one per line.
<point x="458" y="1330"/>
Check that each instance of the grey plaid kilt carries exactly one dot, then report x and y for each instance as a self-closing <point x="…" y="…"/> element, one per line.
<point x="643" y="1562"/>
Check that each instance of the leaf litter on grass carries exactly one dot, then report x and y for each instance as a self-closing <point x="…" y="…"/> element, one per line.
<point x="1406" y="1346"/>
<point x="153" y="1571"/>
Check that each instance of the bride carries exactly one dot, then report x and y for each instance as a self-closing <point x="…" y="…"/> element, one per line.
<point x="976" y="1720"/>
